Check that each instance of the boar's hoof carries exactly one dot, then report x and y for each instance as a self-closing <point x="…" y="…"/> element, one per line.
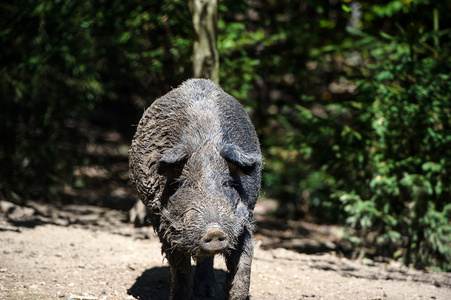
<point x="214" y="241"/>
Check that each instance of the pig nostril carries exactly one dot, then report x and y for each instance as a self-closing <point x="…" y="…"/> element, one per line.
<point x="214" y="241"/>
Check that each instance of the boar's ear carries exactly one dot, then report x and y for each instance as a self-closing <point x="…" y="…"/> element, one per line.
<point x="240" y="163"/>
<point x="171" y="163"/>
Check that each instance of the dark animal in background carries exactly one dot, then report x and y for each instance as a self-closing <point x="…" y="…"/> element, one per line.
<point x="195" y="161"/>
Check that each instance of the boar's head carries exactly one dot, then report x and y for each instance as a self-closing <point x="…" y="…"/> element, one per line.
<point x="206" y="206"/>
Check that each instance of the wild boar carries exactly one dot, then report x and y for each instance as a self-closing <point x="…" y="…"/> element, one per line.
<point x="196" y="164"/>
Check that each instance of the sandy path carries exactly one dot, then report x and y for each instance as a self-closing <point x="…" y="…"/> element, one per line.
<point x="118" y="261"/>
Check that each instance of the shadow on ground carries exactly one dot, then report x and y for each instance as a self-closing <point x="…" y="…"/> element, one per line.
<point x="153" y="284"/>
<point x="300" y="236"/>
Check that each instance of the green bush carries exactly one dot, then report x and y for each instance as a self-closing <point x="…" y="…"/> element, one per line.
<point x="62" y="58"/>
<point x="388" y="147"/>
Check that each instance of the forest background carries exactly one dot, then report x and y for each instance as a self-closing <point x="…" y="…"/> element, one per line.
<point x="350" y="100"/>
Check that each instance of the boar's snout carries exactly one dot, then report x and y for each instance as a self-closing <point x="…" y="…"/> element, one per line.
<point x="214" y="240"/>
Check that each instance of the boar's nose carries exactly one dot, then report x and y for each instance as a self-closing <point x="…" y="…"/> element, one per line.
<point x="214" y="240"/>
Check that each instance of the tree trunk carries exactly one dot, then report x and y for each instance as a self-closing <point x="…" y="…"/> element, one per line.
<point x="205" y="23"/>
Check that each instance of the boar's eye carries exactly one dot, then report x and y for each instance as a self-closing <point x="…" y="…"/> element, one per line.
<point x="229" y="182"/>
<point x="171" y="163"/>
<point x="236" y="171"/>
<point x="240" y="163"/>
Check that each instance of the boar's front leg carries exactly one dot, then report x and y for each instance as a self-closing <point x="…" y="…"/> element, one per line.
<point x="239" y="268"/>
<point x="180" y="266"/>
<point x="204" y="278"/>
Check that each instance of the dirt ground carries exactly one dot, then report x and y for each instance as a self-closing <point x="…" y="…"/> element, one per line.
<point x="87" y="252"/>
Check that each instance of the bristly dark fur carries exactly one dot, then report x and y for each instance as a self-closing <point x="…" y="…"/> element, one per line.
<point x="195" y="160"/>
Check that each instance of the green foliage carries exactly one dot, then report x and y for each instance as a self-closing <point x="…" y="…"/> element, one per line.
<point x="389" y="145"/>
<point x="60" y="59"/>
<point x="36" y="67"/>
<point x="411" y="136"/>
